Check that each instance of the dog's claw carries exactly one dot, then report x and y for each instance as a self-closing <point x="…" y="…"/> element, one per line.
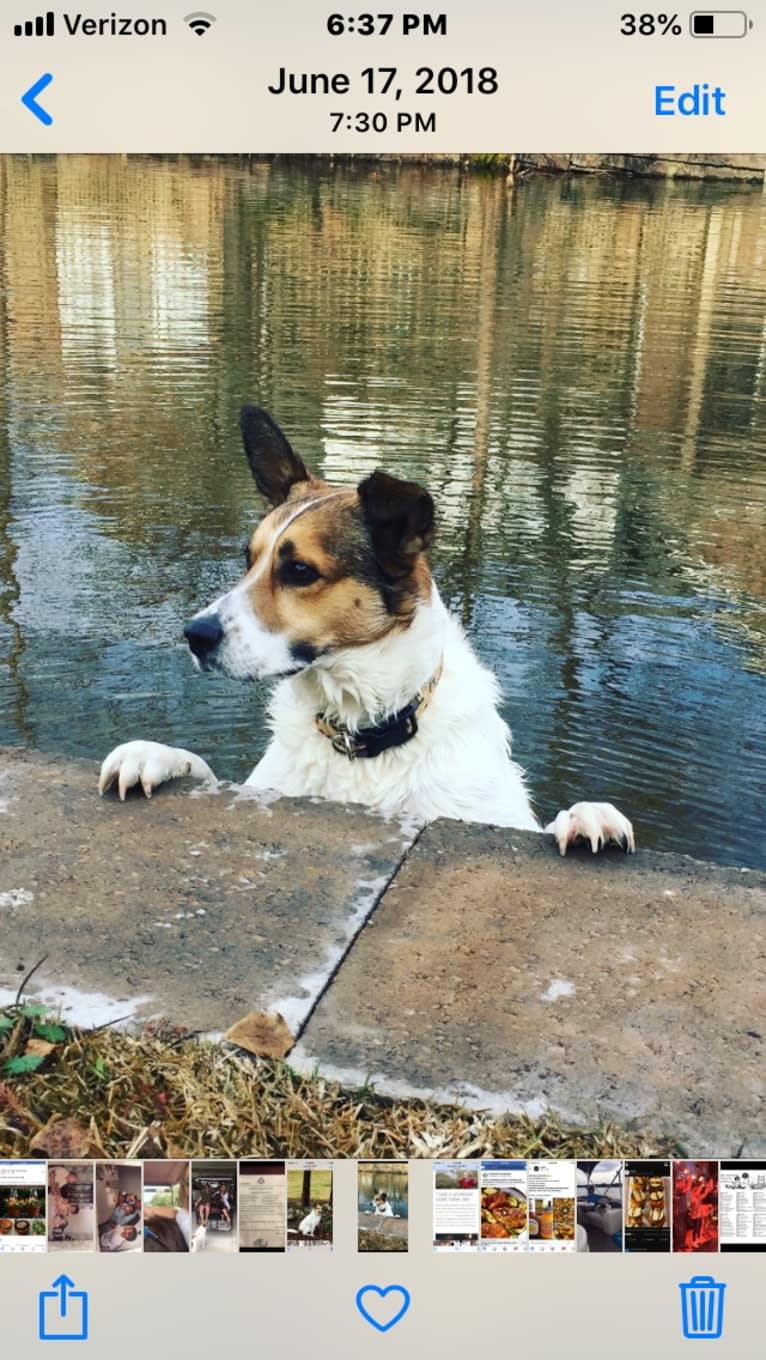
<point x="149" y="763"/>
<point x="597" y="823"/>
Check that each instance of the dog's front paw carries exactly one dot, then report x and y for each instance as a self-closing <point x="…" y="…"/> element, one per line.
<point x="149" y="763"/>
<point x="597" y="823"/>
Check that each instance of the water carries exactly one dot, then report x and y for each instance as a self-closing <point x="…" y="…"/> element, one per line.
<point x="574" y="367"/>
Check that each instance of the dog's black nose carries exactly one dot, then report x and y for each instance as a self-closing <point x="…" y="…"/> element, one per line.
<point x="203" y="634"/>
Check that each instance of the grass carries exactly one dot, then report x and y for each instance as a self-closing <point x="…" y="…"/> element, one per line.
<point x="164" y="1093"/>
<point x="375" y="1241"/>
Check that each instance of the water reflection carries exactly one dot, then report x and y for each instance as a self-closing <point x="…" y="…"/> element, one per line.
<point x="575" y="368"/>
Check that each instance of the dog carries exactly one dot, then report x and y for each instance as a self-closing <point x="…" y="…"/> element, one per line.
<point x="199" y="1239"/>
<point x="380" y="698"/>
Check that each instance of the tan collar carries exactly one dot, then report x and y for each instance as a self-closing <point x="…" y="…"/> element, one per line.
<point x="395" y="731"/>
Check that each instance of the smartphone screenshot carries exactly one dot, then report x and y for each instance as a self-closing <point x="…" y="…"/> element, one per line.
<point x="742" y="1206"/>
<point x="309" y="1205"/>
<point x="382" y="677"/>
<point x="552" y="1198"/>
<point x="22" y="1206"/>
<point x="383" y="1206"/>
<point x="456" y="1206"/>
<point x="505" y="1215"/>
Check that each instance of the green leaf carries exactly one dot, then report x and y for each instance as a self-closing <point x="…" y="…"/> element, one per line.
<point x="99" y="1067"/>
<point x="53" y="1033"/>
<point x="6" y="1023"/>
<point x="15" y="1067"/>
<point x="31" y="1011"/>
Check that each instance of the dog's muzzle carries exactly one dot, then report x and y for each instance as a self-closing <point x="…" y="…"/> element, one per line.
<point x="203" y="634"/>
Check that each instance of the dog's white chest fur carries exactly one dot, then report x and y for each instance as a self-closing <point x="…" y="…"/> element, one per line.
<point x="458" y="765"/>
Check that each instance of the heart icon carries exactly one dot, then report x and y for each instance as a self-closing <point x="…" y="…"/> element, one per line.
<point x="372" y="1299"/>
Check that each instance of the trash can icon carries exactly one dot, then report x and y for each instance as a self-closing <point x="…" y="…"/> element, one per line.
<point x="702" y="1307"/>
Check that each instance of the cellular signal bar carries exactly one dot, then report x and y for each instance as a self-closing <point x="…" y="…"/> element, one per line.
<point x="41" y="27"/>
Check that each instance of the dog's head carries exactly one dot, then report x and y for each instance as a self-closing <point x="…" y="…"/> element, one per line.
<point x="327" y="567"/>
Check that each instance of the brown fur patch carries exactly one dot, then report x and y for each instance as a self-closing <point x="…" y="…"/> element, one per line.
<point x="352" y="602"/>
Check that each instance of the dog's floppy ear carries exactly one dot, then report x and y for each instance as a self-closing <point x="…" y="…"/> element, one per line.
<point x="275" y="466"/>
<point x="400" y="519"/>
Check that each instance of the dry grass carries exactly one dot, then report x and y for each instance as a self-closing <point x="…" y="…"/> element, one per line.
<point x="162" y="1093"/>
<point x="375" y="1241"/>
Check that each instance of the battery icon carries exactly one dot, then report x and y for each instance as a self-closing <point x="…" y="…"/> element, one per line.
<point x="719" y="23"/>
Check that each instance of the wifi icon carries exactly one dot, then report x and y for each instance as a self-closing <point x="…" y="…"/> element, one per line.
<point x="199" y="22"/>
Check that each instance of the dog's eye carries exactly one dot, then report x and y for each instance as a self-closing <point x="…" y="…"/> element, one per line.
<point x="295" y="573"/>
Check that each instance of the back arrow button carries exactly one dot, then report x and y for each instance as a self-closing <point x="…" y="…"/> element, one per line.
<point x="29" y="99"/>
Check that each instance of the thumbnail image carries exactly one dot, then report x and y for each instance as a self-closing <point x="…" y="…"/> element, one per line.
<point x="309" y="1204"/>
<point x="167" y="1214"/>
<point x="71" y="1206"/>
<point x="648" y="1206"/>
<point x="504" y="1206"/>
<point x="262" y="1206"/>
<point x="382" y="1206"/>
<point x="695" y="1206"/>
<point x="118" y="1206"/>
<point x="599" y="1206"/>
<point x="742" y="1206"/>
<point x="456" y="1206"/>
<point x="22" y="1206"/>
<point x="551" y="1188"/>
<point x="456" y="1175"/>
<point x="214" y="1206"/>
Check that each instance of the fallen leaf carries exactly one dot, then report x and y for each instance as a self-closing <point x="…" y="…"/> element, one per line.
<point x="38" y="1048"/>
<point x="66" y="1139"/>
<point x="267" y="1034"/>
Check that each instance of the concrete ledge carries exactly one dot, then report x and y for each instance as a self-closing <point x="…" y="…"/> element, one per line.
<point x="601" y="987"/>
<point x="471" y="962"/>
<point x="199" y="907"/>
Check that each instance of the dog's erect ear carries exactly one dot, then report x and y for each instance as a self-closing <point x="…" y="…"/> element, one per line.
<point x="275" y="466"/>
<point x="400" y="519"/>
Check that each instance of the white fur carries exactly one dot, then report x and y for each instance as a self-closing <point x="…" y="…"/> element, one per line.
<point x="308" y="1225"/>
<point x="248" y="650"/>
<point x="459" y="765"/>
